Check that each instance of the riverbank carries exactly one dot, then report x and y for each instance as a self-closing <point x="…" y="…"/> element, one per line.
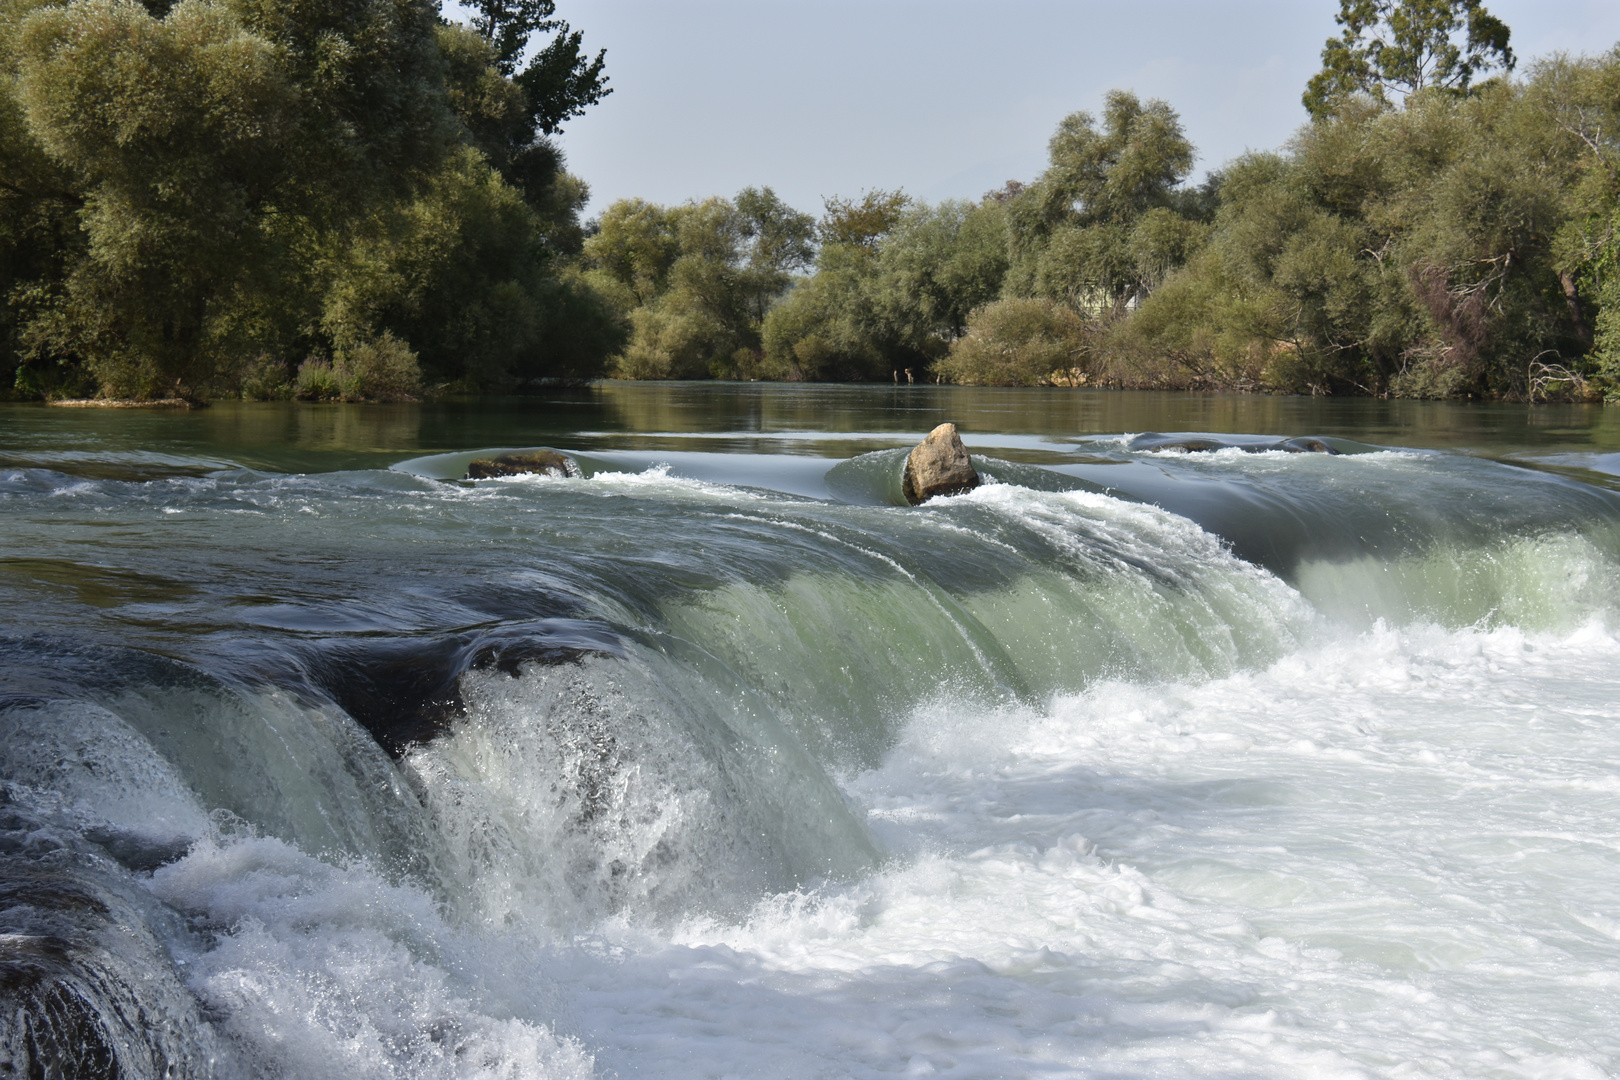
<point x="124" y="403"/>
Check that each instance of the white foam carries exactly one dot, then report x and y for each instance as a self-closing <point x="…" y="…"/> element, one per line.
<point x="320" y="971"/>
<point x="1354" y="863"/>
<point x="1393" y="856"/>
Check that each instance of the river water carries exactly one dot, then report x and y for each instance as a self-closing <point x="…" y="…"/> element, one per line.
<point x="717" y="760"/>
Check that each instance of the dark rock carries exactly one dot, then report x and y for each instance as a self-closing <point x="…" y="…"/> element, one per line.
<point x="548" y="462"/>
<point x="1306" y="446"/>
<point x="406" y="692"/>
<point x="1200" y="444"/>
<point x="1186" y="446"/>
<point x="87" y="987"/>
<point x="939" y="465"/>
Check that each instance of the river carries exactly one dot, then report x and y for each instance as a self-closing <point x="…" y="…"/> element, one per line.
<point x="1164" y="753"/>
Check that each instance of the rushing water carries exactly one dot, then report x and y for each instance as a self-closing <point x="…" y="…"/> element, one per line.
<point x="717" y="760"/>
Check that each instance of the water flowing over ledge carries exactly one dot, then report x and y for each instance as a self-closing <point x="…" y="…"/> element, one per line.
<point x="1133" y="762"/>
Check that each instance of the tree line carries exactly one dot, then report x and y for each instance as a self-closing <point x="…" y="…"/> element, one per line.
<point x="341" y="199"/>
<point x="321" y="198"/>
<point x="1429" y="233"/>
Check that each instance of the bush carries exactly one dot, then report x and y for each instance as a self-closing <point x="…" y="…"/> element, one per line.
<point x="378" y="369"/>
<point x="673" y="339"/>
<point x="1031" y="342"/>
<point x="265" y="378"/>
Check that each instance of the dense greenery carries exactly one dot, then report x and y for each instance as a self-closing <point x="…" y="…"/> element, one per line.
<point x="697" y="280"/>
<point x="1398" y="47"/>
<point x="354" y="198"/>
<point x="323" y="197"/>
<point x="1427" y="234"/>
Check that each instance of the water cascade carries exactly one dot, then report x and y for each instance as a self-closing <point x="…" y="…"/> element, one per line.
<point x="1182" y="756"/>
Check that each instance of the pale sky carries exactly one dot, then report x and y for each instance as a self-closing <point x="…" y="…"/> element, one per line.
<point x="943" y="98"/>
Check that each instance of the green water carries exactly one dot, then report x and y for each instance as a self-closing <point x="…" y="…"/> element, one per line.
<point x="716" y="756"/>
<point x="1036" y="425"/>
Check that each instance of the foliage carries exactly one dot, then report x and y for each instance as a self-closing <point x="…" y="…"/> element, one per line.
<point x="696" y="281"/>
<point x="380" y="369"/>
<point x="1399" y="47"/>
<point x="894" y="284"/>
<point x="1445" y="248"/>
<point x="195" y="196"/>
<point x="1414" y="239"/>
<point x="861" y="225"/>
<point x="1106" y="220"/>
<point x="1020" y="343"/>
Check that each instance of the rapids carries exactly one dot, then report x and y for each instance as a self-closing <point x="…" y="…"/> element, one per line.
<point x="717" y="760"/>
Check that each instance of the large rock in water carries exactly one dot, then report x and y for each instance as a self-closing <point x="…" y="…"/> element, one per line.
<point x="544" y="461"/>
<point x="939" y="465"/>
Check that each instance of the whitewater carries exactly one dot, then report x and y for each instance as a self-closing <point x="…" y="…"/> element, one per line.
<point x="1134" y="762"/>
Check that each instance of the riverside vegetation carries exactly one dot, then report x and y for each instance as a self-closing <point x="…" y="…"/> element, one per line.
<point x="366" y="206"/>
<point x="278" y="197"/>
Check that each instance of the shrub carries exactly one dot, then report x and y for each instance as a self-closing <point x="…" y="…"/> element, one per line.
<point x="377" y="369"/>
<point x="1028" y="342"/>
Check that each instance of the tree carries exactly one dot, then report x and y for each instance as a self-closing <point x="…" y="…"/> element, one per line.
<point x="181" y="133"/>
<point x="1073" y="234"/>
<point x="778" y="242"/>
<point x="1017" y="343"/>
<point x="861" y="225"/>
<point x="194" y="190"/>
<point x="559" y="82"/>
<point x="697" y="281"/>
<point x="1399" y="47"/>
<point x="894" y="283"/>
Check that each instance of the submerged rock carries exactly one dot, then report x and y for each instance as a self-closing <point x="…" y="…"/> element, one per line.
<point x="1305" y="445"/>
<point x="939" y="466"/>
<point x="1201" y="444"/>
<point x="548" y="462"/>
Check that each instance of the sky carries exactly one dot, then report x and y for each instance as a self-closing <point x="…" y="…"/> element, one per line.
<point x="942" y="98"/>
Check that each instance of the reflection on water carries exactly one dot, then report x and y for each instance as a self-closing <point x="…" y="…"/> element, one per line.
<point x="829" y="421"/>
<point x="96" y="586"/>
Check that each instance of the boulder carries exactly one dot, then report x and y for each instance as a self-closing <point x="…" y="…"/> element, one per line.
<point x="939" y="465"/>
<point x="1199" y="444"/>
<point x="1305" y="445"/>
<point x="548" y="462"/>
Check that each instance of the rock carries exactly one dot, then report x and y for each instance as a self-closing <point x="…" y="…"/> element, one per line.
<point x="548" y="462"/>
<point x="939" y="465"/>
<point x="1306" y="445"/>
<point x="1199" y="444"/>
<point x="1181" y="444"/>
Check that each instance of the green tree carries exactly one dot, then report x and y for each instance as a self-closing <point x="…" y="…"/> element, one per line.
<point x="558" y="82"/>
<point x="201" y="190"/>
<point x="862" y="225"/>
<point x="511" y="110"/>
<point x="1019" y="343"/>
<point x="39" y="229"/>
<point x="1453" y="246"/>
<point x="183" y="137"/>
<point x="895" y="282"/>
<point x="1399" y="47"/>
<point x="696" y="281"/>
<point x="1073" y="233"/>
<point x="778" y="242"/>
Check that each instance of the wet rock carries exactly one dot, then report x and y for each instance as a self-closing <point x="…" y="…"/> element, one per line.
<point x="939" y="466"/>
<point x="87" y="986"/>
<point x="1190" y="446"/>
<point x="1306" y="446"/>
<point x="548" y="462"/>
<point x="407" y="692"/>
<point x="1202" y="444"/>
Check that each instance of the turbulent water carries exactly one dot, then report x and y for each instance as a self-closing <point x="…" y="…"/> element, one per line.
<point x="1155" y="756"/>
